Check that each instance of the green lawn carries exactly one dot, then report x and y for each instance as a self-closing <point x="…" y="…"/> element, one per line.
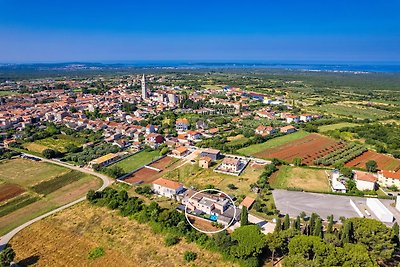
<point x="253" y="149"/>
<point x="133" y="162"/>
<point x="6" y="93"/>
<point x="325" y="128"/>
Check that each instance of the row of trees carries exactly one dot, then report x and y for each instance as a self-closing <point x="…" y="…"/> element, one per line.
<point x="341" y="156"/>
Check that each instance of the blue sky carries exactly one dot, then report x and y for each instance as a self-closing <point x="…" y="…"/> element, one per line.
<point x="58" y="31"/>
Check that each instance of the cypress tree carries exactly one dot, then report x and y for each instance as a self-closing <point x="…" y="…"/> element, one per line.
<point x="278" y="226"/>
<point x="395" y="229"/>
<point x="297" y="223"/>
<point x="312" y="222"/>
<point x="318" y="228"/>
<point x="329" y="228"/>
<point x="286" y="222"/>
<point x="347" y="232"/>
<point x="244" y="217"/>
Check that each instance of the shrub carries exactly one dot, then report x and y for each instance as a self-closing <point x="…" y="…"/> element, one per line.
<point x="171" y="240"/>
<point x="189" y="256"/>
<point x="96" y="253"/>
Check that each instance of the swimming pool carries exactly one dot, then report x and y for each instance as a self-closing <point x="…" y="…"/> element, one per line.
<point x="213" y="218"/>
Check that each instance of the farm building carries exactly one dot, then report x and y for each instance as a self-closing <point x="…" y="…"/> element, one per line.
<point x="180" y="151"/>
<point x="337" y="186"/>
<point x="383" y="214"/>
<point x="247" y="202"/>
<point x="167" y="188"/>
<point x="205" y="162"/>
<point x="104" y="160"/>
<point x="214" y="154"/>
<point x="365" y="180"/>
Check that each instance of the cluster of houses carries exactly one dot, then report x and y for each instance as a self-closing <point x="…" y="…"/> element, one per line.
<point x="366" y="181"/>
<point x="216" y="207"/>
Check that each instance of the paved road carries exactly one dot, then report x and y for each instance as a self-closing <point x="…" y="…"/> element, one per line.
<point x="106" y="182"/>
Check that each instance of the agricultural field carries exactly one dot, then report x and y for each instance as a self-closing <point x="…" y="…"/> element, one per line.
<point x="27" y="173"/>
<point x="139" y="159"/>
<point x="336" y="126"/>
<point x="308" y="148"/>
<point x="34" y="188"/>
<point x="303" y="178"/>
<point x="143" y="175"/>
<point x="8" y="191"/>
<point x="353" y="111"/>
<point x="275" y="142"/>
<point x="148" y="175"/>
<point x="66" y="238"/>
<point x="384" y="162"/>
<point x="59" y="142"/>
<point x="342" y="155"/>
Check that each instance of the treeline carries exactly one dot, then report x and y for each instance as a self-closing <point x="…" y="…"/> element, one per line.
<point x="384" y="137"/>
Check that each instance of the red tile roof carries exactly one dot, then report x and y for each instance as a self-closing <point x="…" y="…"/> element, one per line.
<point x="167" y="183"/>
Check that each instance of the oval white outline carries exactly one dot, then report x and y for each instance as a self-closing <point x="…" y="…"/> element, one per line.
<point x="211" y="232"/>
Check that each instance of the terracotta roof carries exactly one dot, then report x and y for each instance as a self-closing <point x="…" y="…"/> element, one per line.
<point x="167" y="183"/>
<point x="247" y="201"/>
<point x="181" y="149"/>
<point x="208" y="159"/>
<point x="183" y="120"/>
<point x="391" y="174"/>
<point x="365" y="176"/>
<point x="231" y="161"/>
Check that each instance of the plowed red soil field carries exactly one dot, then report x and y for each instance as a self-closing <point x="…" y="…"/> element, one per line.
<point x="384" y="162"/>
<point x="144" y="175"/>
<point x="161" y="163"/>
<point x="8" y="191"/>
<point x="308" y="148"/>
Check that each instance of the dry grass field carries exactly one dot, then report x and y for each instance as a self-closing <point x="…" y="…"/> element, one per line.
<point x="66" y="238"/>
<point x="303" y="178"/>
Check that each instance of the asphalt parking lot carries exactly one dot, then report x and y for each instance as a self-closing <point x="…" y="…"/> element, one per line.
<point x="293" y="203"/>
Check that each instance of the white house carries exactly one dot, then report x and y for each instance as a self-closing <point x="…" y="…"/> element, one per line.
<point x="230" y="164"/>
<point x="389" y="178"/>
<point x="306" y="117"/>
<point x="292" y="118"/>
<point x="365" y="180"/>
<point x="167" y="188"/>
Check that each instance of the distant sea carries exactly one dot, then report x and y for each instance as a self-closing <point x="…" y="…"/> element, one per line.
<point x="331" y="67"/>
<point x="299" y="66"/>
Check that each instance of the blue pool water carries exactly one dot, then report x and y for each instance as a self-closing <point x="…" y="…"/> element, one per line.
<point x="213" y="217"/>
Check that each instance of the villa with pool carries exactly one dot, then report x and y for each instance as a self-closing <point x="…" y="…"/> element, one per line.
<point x="215" y="207"/>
